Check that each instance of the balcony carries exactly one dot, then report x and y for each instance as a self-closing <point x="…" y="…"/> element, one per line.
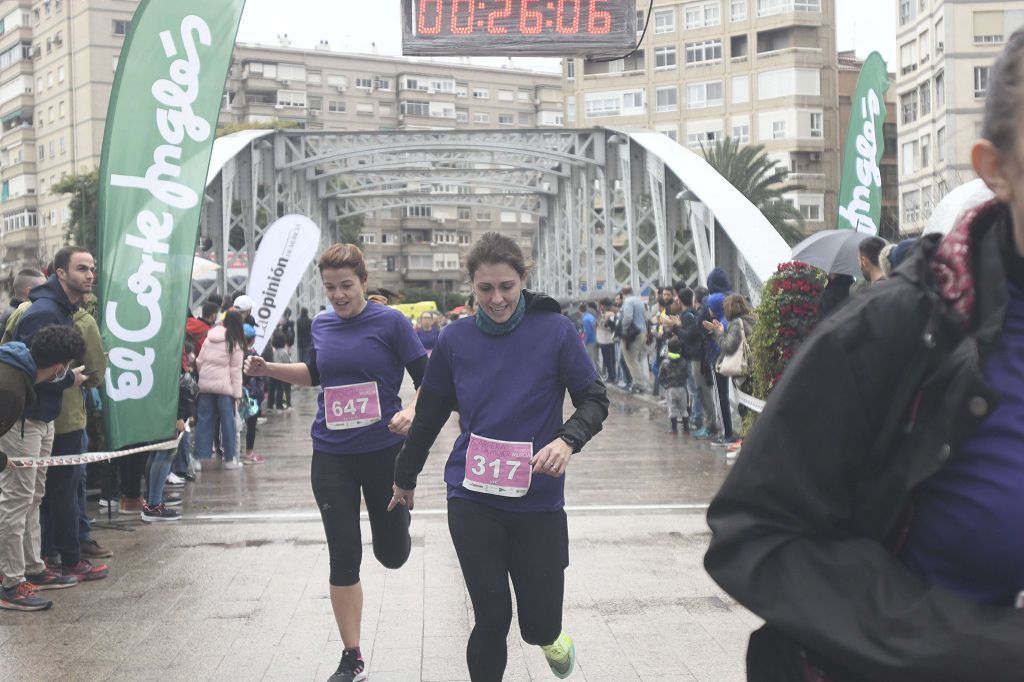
<point x="12" y="36"/>
<point x="20" y="106"/>
<point x="19" y="241"/>
<point x="13" y="170"/>
<point x="17" y="132"/>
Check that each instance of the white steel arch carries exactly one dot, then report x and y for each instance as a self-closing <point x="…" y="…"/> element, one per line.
<point x="614" y="207"/>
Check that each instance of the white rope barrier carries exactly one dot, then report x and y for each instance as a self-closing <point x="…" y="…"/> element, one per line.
<point x="748" y="400"/>
<point x="89" y="457"/>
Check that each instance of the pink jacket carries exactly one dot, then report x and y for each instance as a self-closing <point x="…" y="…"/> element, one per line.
<point x="220" y="372"/>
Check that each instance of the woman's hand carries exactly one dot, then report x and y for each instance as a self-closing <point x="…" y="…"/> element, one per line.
<point x="255" y="366"/>
<point x="180" y="425"/>
<point x="552" y="459"/>
<point x="401" y="422"/>
<point x="401" y="496"/>
<point x="715" y="326"/>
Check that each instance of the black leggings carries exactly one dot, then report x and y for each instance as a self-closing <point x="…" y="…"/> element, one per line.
<point x="722" y="383"/>
<point x="336" y="482"/>
<point x="250" y="432"/>
<point x="530" y="547"/>
<point x="608" y="355"/>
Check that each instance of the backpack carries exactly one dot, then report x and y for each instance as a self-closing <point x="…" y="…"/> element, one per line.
<point x="691" y="335"/>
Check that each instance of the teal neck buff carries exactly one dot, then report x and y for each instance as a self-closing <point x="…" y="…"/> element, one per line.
<point x="492" y="328"/>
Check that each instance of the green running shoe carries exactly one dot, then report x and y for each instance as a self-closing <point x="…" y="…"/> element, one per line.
<point x="561" y="656"/>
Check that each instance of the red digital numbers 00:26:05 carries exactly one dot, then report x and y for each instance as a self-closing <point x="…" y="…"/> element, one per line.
<point x="501" y="17"/>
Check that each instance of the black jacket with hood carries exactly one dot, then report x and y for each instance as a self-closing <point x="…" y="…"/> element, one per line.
<point x="432" y="411"/>
<point x="806" y="526"/>
<point x="50" y="305"/>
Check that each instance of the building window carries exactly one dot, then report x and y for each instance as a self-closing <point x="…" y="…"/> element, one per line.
<point x="464" y="213"/>
<point x="365" y="109"/>
<point x="912" y="206"/>
<point x="481" y="93"/>
<point x="741" y="133"/>
<point x="505" y="119"/>
<point x="924" y="96"/>
<point x="788" y="82"/>
<point x="481" y="117"/>
<point x="778" y="130"/>
<point x="701" y="14"/>
<point x="335" y="106"/>
<point x="925" y="151"/>
<point x="940" y="144"/>
<point x="666" y="99"/>
<point x="524" y="119"/>
<point x="908" y="106"/>
<point x="417" y="211"/>
<point x="738" y="10"/>
<point x="665" y="21"/>
<point x="461" y="116"/>
<point x="740" y="89"/>
<point x="291" y="98"/>
<point x="940" y="90"/>
<point x="364" y="84"/>
<point x="121" y="27"/>
<point x="816" y="124"/>
<point x="767" y="8"/>
<point x="665" y="58"/>
<point x="981" y="81"/>
<point x="506" y="96"/>
<point x="989" y="27"/>
<point x="706" y="139"/>
<point x="704" y="51"/>
<point x="415" y="108"/>
<point x="570" y="69"/>
<point x="367" y="238"/>
<point x="703" y="95"/>
<point x="909" y="154"/>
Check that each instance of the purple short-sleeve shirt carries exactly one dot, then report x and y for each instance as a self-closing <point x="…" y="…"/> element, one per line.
<point x="511" y="388"/>
<point x="375" y="345"/>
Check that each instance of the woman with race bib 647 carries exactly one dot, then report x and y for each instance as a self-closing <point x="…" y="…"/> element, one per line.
<point x="506" y="372"/>
<point x="359" y="354"/>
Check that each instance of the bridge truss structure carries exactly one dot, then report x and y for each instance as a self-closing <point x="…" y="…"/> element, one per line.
<point x="612" y="207"/>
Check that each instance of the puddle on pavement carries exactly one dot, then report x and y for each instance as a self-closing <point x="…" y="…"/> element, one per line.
<point x="240" y="544"/>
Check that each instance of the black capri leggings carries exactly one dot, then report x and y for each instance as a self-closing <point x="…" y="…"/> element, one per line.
<point x="492" y="545"/>
<point x="336" y="482"/>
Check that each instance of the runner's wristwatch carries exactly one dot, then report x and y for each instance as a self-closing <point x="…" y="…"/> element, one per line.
<point x="571" y="442"/>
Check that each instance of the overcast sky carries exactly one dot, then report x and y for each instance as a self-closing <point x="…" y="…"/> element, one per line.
<point x="355" y="26"/>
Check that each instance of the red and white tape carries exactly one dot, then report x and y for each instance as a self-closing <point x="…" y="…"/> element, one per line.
<point x="89" y="457"/>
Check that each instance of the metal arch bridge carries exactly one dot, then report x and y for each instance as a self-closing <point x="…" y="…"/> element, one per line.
<point x="613" y="207"/>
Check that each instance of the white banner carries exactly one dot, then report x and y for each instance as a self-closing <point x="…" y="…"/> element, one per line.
<point x="286" y="250"/>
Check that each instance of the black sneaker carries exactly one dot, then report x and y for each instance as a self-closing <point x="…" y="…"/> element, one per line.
<point x="351" y="668"/>
<point x="158" y="514"/>
<point x="172" y="500"/>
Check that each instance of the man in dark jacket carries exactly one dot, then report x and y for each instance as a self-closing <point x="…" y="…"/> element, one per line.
<point x="873" y="520"/>
<point x="54" y="302"/>
<point x="21" y="369"/>
<point x="25" y="281"/>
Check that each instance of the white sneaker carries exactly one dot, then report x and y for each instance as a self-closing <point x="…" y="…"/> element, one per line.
<point x="233" y="464"/>
<point x="175" y="481"/>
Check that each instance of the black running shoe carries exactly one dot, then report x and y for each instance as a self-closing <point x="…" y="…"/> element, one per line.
<point x="351" y="668"/>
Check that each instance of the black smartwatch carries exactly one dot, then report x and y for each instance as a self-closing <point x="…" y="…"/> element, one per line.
<point x="571" y="442"/>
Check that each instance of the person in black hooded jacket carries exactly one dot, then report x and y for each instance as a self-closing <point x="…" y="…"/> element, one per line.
<point x="874" y="519"/>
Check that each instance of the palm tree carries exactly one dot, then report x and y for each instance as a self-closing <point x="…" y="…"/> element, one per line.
<point x="761" y="180"/>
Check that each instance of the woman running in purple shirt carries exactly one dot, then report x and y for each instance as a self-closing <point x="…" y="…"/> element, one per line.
<point x="359" y="355"/>
<point x="506" y="371"/>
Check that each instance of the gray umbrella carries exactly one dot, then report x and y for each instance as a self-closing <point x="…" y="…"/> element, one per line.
<point x="834" y="251"/>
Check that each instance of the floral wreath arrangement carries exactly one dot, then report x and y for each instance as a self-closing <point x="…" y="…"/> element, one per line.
<point x="785" y="317"/>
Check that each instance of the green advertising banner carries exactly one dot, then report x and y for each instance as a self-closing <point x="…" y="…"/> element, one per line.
<point x="161" y="124"/>
<point x="860" y="190"/>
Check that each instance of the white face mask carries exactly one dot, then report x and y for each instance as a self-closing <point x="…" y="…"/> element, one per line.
<point x="61" y="375"/>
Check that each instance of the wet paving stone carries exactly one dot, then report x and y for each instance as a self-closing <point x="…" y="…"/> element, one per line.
<point x="238" y="589"/>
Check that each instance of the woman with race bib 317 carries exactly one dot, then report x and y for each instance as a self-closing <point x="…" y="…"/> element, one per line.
<point x="506" y="371"/>
<point x="359" y="354"/>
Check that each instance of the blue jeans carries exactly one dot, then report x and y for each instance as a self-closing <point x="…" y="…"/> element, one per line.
<point x="212" y="405"/>
<point x="58" y="512"/>
<point x="181" y="456"/>
<point x="696" y="408"/>
<point x="157" y="468"/>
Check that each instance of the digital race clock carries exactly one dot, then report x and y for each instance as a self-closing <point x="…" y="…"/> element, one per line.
<point x="555" y="28"/>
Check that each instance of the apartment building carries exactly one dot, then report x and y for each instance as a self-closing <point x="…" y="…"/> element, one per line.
<point x="946" y="50"/>
<point x="849" y="72"/>
<point x="760" y="71"/>
<point x="57" y="63"/>
<point x="416" y="246"/>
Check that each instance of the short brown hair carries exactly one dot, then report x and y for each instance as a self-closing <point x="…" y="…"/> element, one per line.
<point x="736" y="306"/>
<point x="340" y="256"/>
<point x="494" y="248"/>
